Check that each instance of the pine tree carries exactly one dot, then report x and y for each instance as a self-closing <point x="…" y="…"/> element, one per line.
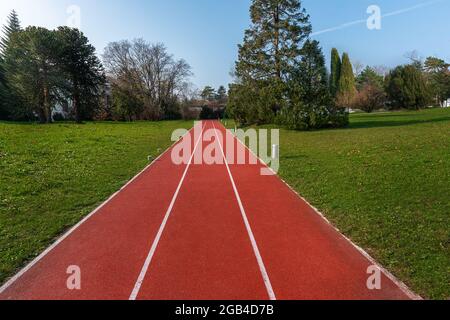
<point x="438" y="75"/>
<point x="12" y="26"/>
<point x="221" y="93"/>
<point x="273" y="43"/>
<point x="33" y="73"/>
<point x="268" y="59"/>
<point x="313" y="75"/>
<point x="9" y="100"/>
<point x="369" y="76"/>
<point x="208" y="93"/>
<point x="335" y="71"/>
<point x="84" y="71"/>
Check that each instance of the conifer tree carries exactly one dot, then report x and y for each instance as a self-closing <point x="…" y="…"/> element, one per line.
<point x="313" y="75"/>
<point x="347" y="77"/>
<point x="12" y="26"/>
<point x="273" y="43"/>
<point x="268" y="59"/>
<point x="335" y="71"/>
<point x="8" y="98"/>
<point x="83" y="70"/>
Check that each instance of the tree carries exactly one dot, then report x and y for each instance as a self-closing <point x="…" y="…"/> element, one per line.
<point x="369" y="76"/>
<point x="370" y="97"/>
<point x="268" y="59"/>
<point x="155" y="77"/>
<point x="8" y="99"/>
<point x="335" y="72"/>
<point x="415" y="59"/>
<point x="208" y="93"/>
<point x="33" y="71"/>
<point x="371" y="94"/>
<point x="407" y="88"/>
<point x="273" y="43"/>
<point x="12" y="26"/>
<point x="347" y="88"/>
<point x="84" y="71"/>
<point x="358" y="67"/>
<point x="312" y="75"/>
<point x="221" y="95"/>
<point x="252" y="104"/>
<point x="311" y="105"/>
<point x="127" y="105"/>
<point x="438" y="75"/>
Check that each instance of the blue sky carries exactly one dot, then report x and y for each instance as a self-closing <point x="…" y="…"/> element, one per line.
<point x="206" y="32"/>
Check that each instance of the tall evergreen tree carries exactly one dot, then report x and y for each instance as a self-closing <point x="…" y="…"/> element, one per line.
<point x="347" y="84"/>
<point x="347" y="77"/>
<point x="438" y="75"/>
<point x="208" y="93"/>
<point x="33" y="73"/>
<point x="12" y="26"/>
<point x="221" y="94"/>
<point x="8" y="98"/>
<point x="268" y="59"/>
<point x="77" y="59"/>
<point x="273" y="43"/>
<point x="335" y="72"/>
<point x="312" y="74"/>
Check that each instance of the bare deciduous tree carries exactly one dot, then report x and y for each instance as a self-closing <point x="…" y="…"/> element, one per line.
<point x="150" y="73"/>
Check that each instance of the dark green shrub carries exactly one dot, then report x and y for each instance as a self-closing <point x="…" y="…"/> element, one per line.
<point x="407" y="88"/>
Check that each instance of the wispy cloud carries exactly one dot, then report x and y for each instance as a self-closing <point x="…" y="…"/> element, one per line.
<point x="390" y="14"/>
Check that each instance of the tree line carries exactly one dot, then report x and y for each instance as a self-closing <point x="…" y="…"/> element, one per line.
<point x="419" y="84"/>
<point x="281" y="76"/>
<point x="48" y="75"/>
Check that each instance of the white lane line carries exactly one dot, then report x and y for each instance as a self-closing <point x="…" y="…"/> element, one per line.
<point x="16" y="277"/>
<point x="141" y="278"/>
<point x="261" y="265"/>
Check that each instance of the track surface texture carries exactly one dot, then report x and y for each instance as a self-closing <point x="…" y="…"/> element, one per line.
<point x="204" y="232"/>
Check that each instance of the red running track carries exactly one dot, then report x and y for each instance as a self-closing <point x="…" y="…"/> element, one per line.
<point x="204" y="232"/>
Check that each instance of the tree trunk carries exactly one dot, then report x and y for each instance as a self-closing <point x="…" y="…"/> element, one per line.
<point x="76" y="108"/>
<point x="76" y="102"/>
<point x="46" y="107"/>
<point x="276" y="20"/>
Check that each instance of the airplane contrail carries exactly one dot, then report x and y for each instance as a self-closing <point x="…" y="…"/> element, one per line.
<point x="390" y="14"/>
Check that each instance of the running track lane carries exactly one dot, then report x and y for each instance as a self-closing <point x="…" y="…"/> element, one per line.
<point x="110" y="246"/>
<point x="306" y="258"/>
<point x="205" y="252"/>
<point x="229" y="233"/>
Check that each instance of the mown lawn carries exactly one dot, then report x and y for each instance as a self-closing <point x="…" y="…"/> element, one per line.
<point x="53" y="175"/>
<point x="385" y="182"/>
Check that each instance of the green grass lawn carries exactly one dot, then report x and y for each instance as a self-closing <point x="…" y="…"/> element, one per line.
<point x="385" y="182"/>
<point x="53" y="175"/>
